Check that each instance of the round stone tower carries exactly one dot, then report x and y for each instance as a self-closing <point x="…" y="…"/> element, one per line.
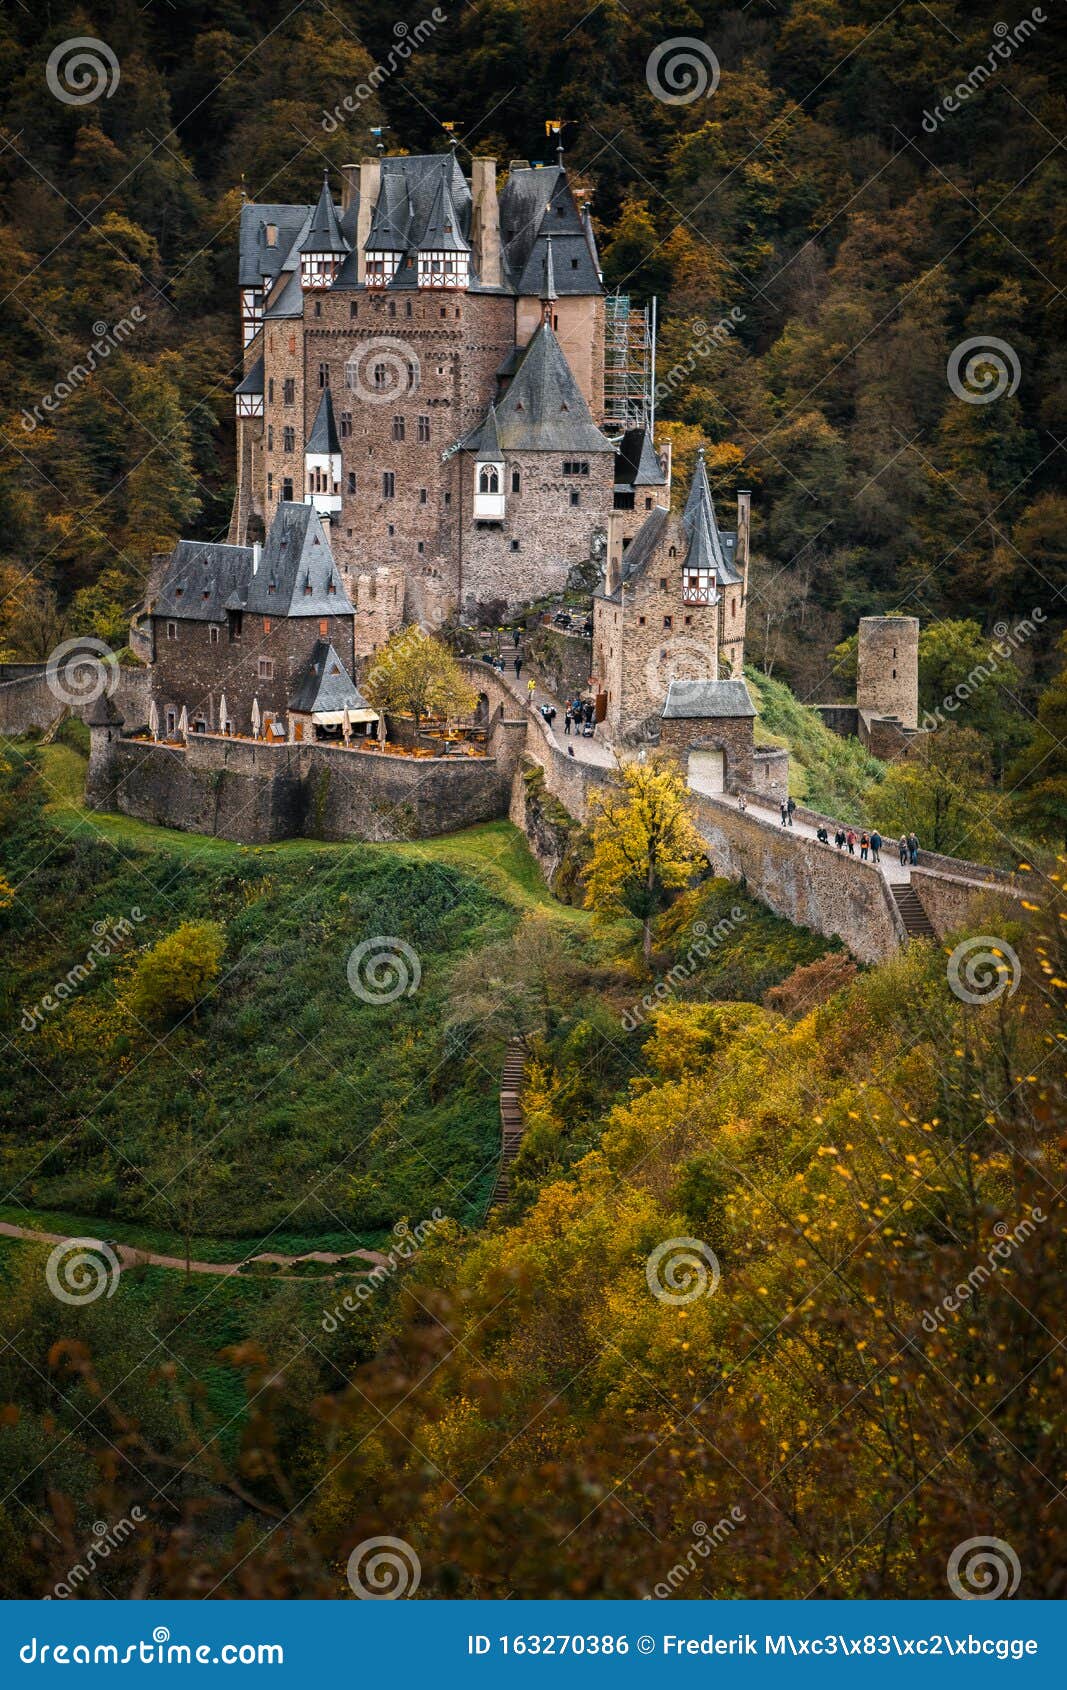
<point x="887" y="680"/>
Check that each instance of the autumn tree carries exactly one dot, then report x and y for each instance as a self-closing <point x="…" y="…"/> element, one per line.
<point x="645" y="845"/>
<point x="415" y="675"/>
<point x="175" y="974"/>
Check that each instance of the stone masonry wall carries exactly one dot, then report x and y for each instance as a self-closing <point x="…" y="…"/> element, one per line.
<point x="28" y="702"/>
<point x="952" y="901"/>
<point x="731" y="735"/>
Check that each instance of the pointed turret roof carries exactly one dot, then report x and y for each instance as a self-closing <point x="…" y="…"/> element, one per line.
<point x="324" y="686"/>
<point x="323" y="438"/>
<point x="297" y="575"/>
<point x="442" y="232"/>
<point x="706" y="549"/>
<point x="636" y="463"/>
<point x="543" y="409"/>
<point x="484" y="442"/>
<point x="548" y="285"/>
<point x="392" y="216"/>
<point x="324" y="231"/>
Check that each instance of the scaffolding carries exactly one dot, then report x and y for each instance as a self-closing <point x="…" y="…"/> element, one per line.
<point x="629" y="364"/>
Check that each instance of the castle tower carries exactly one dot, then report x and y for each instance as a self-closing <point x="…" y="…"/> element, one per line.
<point x="887" y="681"/>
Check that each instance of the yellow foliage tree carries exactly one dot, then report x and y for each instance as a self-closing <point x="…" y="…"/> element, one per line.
<point x="417" y="676"/>
<point x="645" y="845"/>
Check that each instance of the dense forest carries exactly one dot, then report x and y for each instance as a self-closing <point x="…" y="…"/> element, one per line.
<point x="849" y="229"/>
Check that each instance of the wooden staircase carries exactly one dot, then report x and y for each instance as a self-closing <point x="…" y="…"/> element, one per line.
<point x="915" y="919"/>
<point x="511" y="1121"/>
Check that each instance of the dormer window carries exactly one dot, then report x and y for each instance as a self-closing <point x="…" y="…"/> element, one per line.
<point x="271" y="232"/>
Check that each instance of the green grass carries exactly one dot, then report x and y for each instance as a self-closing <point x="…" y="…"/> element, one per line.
<point x="826" y="772"/>
<point x="146" y="1236"/>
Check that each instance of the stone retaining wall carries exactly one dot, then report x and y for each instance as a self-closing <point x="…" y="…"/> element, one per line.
<point x="951" y="900"/>
<point x="799" y="879"/>
<point x="27" y="702"/>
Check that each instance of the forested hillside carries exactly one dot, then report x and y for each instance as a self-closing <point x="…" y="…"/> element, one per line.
<point x="821" y="200"/>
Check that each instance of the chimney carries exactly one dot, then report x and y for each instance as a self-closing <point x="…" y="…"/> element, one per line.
<point x="349" y="186"/>
<point x="485" y="222"/>
<point x="744" y="517"/>
<point x="370" y="180"/>
<point x="257" y="553"/>
<point x="519" y="164"/>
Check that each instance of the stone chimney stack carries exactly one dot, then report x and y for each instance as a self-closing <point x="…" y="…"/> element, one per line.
<point x="485" y="222"/>
<point x="370" y="181"/>
<point x="349" y="186"/>
<point x="744" y="524"/>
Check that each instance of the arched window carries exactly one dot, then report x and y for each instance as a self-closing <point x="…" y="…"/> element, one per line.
<point x="489" y="479"/>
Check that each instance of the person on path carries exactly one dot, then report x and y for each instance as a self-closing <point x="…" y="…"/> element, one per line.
<point x="570" y="751"/>
<point x="876" y="846"/>
<point x="822" y="836"/>
<point x="902" y="847"/>
<point x="791" y="806"/>
<point x="785" y="813"/>
<point x="531" y="688"/>
<point x="913" y="850"/>
<point x="850" y="841"/>
<point x="839" y="838"/>
<point x="567" y="721"/>
<point x="865" y="845"/>
<point x="741" y="805"/>
<point x="590" y="711"/>
<point x="518" y="667"/>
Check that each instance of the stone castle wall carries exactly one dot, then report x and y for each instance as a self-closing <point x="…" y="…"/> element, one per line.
<point x="27" y="702"/>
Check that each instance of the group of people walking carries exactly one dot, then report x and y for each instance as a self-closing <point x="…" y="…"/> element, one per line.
<point x="869" y="843"/>
<point x="579" y="713"/>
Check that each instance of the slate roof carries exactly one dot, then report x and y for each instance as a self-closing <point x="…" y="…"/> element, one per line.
<point x="253" y="381"/>
<point x="641" y="550"/>
<point x="325" y="685"/>
<point x="441" y="231"/>
<point x="636" y="463"/>
<point x="485" y="441"/>
<point x="706" y="549"/>
<point x="256" y="259"/>
<point x="695" y="701"/>
<point x="324" y="232"/>
<point x="296" y="571"/>
<point x="201" y="578"/>
<point x="575" y="267"/>
<point x="543" y="409"/>
<point x="323" y="438"/>
<point x="289" y="303"/>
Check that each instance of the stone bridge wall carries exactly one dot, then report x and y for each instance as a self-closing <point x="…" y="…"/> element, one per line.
<point x="798" y="878"/>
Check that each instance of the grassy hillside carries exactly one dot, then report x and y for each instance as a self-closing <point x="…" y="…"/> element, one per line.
<point x="828" y="773"/>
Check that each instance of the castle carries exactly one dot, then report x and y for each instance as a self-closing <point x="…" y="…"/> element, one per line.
<point x="424" y="363"/>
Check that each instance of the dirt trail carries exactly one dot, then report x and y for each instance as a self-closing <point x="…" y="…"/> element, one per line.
<point x="130" y="1256"/>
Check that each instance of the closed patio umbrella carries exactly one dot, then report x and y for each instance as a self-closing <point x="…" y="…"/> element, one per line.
<point x="183" y="723"/>
<point x="153" y="719"/>
<point x="346" y="724"/>
<point x="257" y="719"/>
<point x="224" y="714"/>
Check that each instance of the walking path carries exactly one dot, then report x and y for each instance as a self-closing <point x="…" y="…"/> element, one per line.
<point x="897" y="873"/>
<point x="130" y="1256"/>
<point x="585" y="750"/>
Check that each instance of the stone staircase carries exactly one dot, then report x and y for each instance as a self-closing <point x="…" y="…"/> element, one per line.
<point x="511" y="1120"/>
<point x="915" y="919"/>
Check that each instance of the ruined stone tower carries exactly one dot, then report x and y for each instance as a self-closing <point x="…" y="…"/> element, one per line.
<point x="887" y="680"/>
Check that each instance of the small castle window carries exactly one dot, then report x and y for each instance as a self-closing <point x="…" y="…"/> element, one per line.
<point x="287" y="490"/>
<point x="668" y="622"/>
<point x="351" y="482"/>
<point x="514" y="545"/>
<point x="288" y="439"/>
<point x="672" y="553"/>
<point x="266" y="668"/>
<point x="272" y="234"/>
<point x="424" y="429"/>
<point x="576" y="497"/>
<point x="574" y="264"/>
<point x="388" y="484"/>
<point x="420" y="547"/>
<point x="640" y="621"/>
<point x="353" y="308"/>
<point x="270" y="488"/>
<point x="179" y="592"/>
<point x="289" y="391"/>
<point x="318" y="307"/>
<point x="489" y="479"/>
<point x="663" y="583"/>
<point x="448" y="498"/>
<point x="423" y="495"/>
<point x="172" y="630"/>
<point x="391" y="531"/>
<point x="407" y="309"/>
<point x="270" y="390"/>
<point x="516" y="481"/>
<point x="270" y="437"/>
<point x="346" y="425"/>
<point x="324" y="371"/>
<point x="398" y="428"/>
